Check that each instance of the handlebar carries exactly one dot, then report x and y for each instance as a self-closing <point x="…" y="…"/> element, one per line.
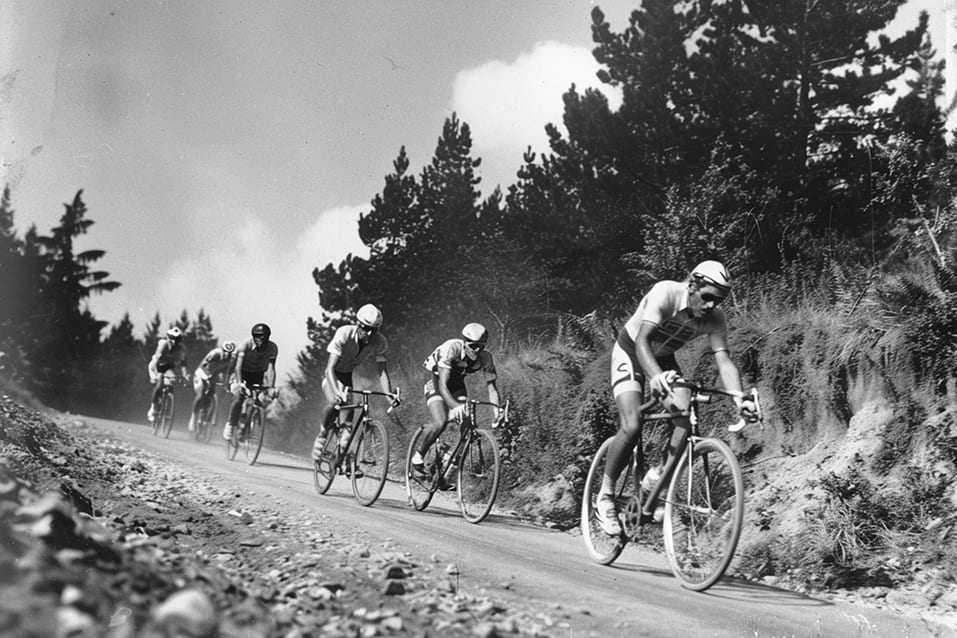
<point x="393" y="396"/>
<point x="702" y="394"/>
<point x="502" y="418"/>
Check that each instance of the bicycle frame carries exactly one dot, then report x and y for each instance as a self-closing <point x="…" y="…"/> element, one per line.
<point x="466" y="433"/>
<point x="649" y="411"/>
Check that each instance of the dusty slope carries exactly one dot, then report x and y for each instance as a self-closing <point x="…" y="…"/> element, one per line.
<point x="96" y="539"/>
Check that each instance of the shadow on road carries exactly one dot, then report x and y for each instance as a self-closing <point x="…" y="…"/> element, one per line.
<point x="283" y="465"/>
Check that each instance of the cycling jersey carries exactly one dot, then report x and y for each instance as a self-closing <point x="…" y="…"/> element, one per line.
<point x="258" y="359"/>
<point x="665" y="306"/>
<point x="169" y="356"/>
<point x="345" y="343"/>
<point x="215" y="362"/>
<point x="451" y="355"/>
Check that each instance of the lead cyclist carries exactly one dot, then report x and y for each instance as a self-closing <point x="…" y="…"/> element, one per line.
<point x="669" y="316"/>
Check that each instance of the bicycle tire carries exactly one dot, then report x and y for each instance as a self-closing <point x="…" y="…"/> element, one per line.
<point x="704" y="513"/>
<point x="419" y="490"/>
<point x="232" y="444"/>
<point x="603" y="549"/>
<point x="206" y="421"/>
<point x="255" y="433"/>
<point x="369" y="462"/>
<point x="166" y="412"/>
<point x="324" y="470"/>
<point x="478" y="476"/>
<point x="157" y="420"/>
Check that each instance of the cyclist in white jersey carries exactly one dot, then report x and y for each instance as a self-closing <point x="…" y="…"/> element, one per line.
<point x="669" y="316"/>
<point x="349" y="347"/>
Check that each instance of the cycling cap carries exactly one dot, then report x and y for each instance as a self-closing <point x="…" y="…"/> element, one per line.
<point x="369" y="316"/>
<point x="174" y="333"/>
<point x="229" y="347"/>
<point x="261" y="330"/>
<point x="714" y="273"/>
<point x="475" y="333"/>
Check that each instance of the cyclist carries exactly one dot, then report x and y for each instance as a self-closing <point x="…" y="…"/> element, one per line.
<point x="218" y="362"/>
<point x="170" y="353"/>
<point x="670" y="315"/>
<point x="255" y="365"/>
<point x="445" y="391"/>
<point x="350" y="346"/>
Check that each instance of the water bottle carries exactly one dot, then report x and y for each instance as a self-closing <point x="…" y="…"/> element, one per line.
<point x="447" y="457"/>
<point x="651" y="477"/>
<point x="344" y="437"/>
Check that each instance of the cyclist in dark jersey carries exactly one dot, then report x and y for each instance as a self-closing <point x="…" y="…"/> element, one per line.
<point x="255" y="365"/>
<point x="445" y="391"/>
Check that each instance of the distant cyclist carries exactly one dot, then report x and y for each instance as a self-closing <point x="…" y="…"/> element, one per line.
<point x="255" y="365"/>
<point x="350" y="346"/>
<point x="670" y="315"/>
<point x="445" y="391"/>
<point x="170" y="354"/>
<point x="217" y="365"/>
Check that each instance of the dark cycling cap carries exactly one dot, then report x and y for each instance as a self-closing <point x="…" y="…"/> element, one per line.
<point x="261" y="330"/>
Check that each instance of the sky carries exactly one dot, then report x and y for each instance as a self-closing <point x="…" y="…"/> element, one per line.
<point x="225" y="149"/>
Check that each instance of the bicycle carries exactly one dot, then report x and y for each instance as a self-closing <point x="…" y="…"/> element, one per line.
<point x="359" y="447"/>
<point x="475" y="455"/>
<point x="206" y="417"/>
<point x="252" y="425"/>
<point x="703" y="507"/>
<point x="163" y="418"/>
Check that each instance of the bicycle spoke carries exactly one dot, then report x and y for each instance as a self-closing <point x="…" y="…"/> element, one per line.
<point x="478" y="476"/>
<point x="324" y="470"/>
<point x="370" y="462"/>
<point x="703" y="514"/>
<point x="601" y="547"/>
<point x="419" y="489"/>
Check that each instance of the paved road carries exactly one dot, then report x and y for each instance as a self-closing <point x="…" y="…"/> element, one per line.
<point x="637" y="596"/>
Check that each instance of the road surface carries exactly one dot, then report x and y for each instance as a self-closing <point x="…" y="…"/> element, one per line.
<point x="637" y="596"/>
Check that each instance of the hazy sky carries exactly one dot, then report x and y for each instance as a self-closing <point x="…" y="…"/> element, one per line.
<point x="225" y="149"/>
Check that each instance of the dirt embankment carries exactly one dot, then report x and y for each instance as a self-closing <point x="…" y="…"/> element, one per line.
<point x="99" y="539"/>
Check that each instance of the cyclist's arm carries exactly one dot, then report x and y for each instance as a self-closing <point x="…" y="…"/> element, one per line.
<point x="727" y="370"/>
<point x="238" y="370"/>
<point x="646" y="358"/>
<point x="156" y="357"/>
<point x="493" y="393"/>
<point x="270" y="377"/>
<point x="384" y="381"/>
<point x="444" y="376"/>
<point x="330" y="373"/>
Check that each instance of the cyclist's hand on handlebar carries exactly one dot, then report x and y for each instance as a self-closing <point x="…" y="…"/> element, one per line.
<point x="748" y="411"/>
<point x="661" y="383"/>
<point x="457" y="413"/>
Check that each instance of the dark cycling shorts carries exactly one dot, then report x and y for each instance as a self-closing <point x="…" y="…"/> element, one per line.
<point x="456" y="387"/>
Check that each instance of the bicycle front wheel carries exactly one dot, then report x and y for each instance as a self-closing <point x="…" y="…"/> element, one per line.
<point x="478" y="476"/>
<point x="370" y="462"/>
<point x="603" y="548"/>
<point x="166" y="415"/>
<point x="255" y="433"/>
<point x="704" y="512"/>
<point x="419" y="488"/>
<point x="207" y="421"/>
<point x="324" y="470"/>
<point x="232" y="443"/>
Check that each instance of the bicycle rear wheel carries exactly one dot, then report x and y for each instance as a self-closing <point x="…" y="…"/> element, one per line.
<point x="232" y="443"/>
<point x="370" y="462"/>
<point x="255" y="433"/>
<point x="704" y="513"/>
<point x="478" y="476"/>
<point x="324" y="470"/>
<point x="603" y="548"/>
<point x="418" y="488"/>
<point x="206" y="421"/>
<point x="166" y="415"/>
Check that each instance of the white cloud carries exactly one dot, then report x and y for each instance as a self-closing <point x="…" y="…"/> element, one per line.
<point x="249" y="275"/>
<point x="508" y="104"/>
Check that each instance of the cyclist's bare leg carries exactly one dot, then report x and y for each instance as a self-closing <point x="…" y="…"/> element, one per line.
<point x="200" y="400"/>
<point x="439" y="413"/>
<point x="629" y="433"/>
<point x="676" y="446"/>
